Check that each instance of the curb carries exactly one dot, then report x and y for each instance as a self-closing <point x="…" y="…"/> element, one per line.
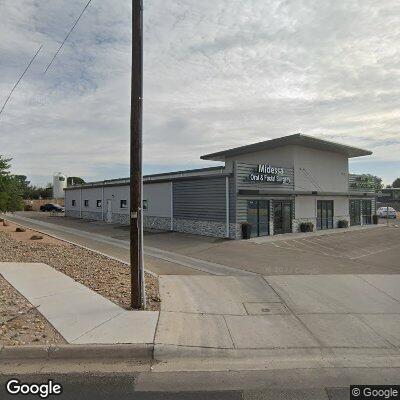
<point x="141" y="351"/>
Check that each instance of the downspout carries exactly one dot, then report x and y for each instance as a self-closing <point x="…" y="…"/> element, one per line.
<point x="102" y="203"/>
<point x="227" y="204"/>
<point x="80" y="205"/>
<point x="172" y="206"/>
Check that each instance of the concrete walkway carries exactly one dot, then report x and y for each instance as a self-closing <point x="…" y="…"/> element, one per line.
<point x="79" y="314"/>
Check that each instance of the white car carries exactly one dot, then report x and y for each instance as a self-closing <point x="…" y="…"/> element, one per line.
<point x="383" y="212"/>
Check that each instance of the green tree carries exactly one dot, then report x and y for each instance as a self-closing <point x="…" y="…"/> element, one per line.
<point x="378" y="181"/>
<point x="74" y="180"/>
<point x="10" y="188"/>
<point x="396" y="183"/>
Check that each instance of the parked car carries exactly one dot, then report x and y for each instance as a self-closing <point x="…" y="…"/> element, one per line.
<point x="383" y="212"/>
<point x="52" y="207"/>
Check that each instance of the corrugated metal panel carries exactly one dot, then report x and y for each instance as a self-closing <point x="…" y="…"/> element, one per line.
<point x="200" y="199"/>
<point x="244" y="170"/>
<point x="232" y="200"/>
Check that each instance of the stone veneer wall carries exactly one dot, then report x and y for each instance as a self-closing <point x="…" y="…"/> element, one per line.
<point x="336" y="218"/>
<point x="205" y="228"/>
<point x="122" y="219"/>
<point x="296" y="223"/>
<point x="94" y="215"/>
<point x="72" y="213"/>
<point x="162" y="223"/>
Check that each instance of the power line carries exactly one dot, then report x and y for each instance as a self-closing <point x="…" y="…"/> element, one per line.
<point x="66" y="38"/>
<point x="20" y="78"/>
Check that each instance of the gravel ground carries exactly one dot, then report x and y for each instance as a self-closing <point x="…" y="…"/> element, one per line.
<point x="109" y="278"/>
<point x="21" y="323"/>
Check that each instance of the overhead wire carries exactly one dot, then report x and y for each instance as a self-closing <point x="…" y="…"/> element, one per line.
<point x="20" y="79"/>
<point x="68" y="35"/>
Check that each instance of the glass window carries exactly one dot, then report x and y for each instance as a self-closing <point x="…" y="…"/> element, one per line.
<point x="73" y="203"/>
<point x="98" y="203"/>
<point x="145" y="205"/>
<point x="86" y="203"/>
<point x="124" y="204"/>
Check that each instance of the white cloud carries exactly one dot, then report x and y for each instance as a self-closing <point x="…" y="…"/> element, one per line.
<point x="217" y="74"/>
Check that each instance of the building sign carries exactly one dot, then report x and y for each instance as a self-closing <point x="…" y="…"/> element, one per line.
<point x="268" y="173"/>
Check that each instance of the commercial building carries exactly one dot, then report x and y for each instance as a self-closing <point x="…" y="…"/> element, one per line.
<point x="275" y="185"/>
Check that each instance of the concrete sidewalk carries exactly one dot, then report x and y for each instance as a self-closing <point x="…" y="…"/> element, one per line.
<point x="79" y="314"/>
<point x="255" y="321"/>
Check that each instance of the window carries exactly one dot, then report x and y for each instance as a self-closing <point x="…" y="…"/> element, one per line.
<point x="124" y="204"/>
<point x="98" y="203"/>
<point x="86" y="203"/>
<point x="145" y="205"/>
<point x="73" y="203"/>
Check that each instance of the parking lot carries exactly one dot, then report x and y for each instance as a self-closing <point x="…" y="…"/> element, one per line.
<point x="374" y="250"/>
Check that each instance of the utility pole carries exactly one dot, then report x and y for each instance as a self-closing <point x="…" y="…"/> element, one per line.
<point x="136" y="256"/>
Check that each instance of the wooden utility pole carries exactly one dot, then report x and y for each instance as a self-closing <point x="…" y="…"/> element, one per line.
<point x="136" y="258"/>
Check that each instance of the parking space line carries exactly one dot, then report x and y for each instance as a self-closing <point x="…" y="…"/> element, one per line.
<point x="376" y="252"/>
<point x="310" y="247"/>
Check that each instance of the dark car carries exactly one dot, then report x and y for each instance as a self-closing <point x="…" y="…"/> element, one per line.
<point x="52" y="207"/>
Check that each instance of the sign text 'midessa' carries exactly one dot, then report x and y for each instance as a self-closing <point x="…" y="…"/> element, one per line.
<point x="268" y="169"/>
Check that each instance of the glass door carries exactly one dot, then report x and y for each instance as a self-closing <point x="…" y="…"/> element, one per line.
<point x="355" y="212"/>
<point x="324" y="214"/>
<point x="258" y="217"/>
<point x="367" y="212"/>
<point x="282" y="216"/>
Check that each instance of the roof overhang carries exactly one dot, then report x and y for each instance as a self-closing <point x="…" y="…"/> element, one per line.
<point x="298" y="139"/>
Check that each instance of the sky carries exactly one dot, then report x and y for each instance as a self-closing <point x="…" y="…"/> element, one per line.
<point x="217" y="74"/>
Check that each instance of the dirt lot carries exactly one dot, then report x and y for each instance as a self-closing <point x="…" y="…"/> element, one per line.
<point x="109" y="278"/>
<point x="20" y="322"/>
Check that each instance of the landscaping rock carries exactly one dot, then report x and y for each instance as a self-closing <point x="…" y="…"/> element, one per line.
<point x="36" y="237"/>
<point x="19" y="229"/>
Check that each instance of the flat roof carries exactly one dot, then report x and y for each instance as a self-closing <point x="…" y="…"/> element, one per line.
<point x="163" y="176"/>
<point x="298" y="139"/>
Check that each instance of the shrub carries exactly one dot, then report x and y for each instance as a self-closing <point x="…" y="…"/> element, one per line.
<point x="246" y="230"/>
<point x="306" y="227"/>
<point x="343" y="223"/>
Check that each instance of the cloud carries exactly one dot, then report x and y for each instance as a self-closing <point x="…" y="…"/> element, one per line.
<point x="217" y="75"/>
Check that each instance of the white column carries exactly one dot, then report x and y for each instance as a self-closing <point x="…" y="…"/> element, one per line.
<point x="227" y="204"/>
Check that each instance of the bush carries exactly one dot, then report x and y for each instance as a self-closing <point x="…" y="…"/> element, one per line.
<point x="246" y="230"/>
<point x="343" y="223"/>
<point x="306" y="227"/>
<point x="375" y="219"/>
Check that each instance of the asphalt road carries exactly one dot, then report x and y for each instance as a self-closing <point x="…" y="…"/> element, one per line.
<point x="125" y="386"/>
